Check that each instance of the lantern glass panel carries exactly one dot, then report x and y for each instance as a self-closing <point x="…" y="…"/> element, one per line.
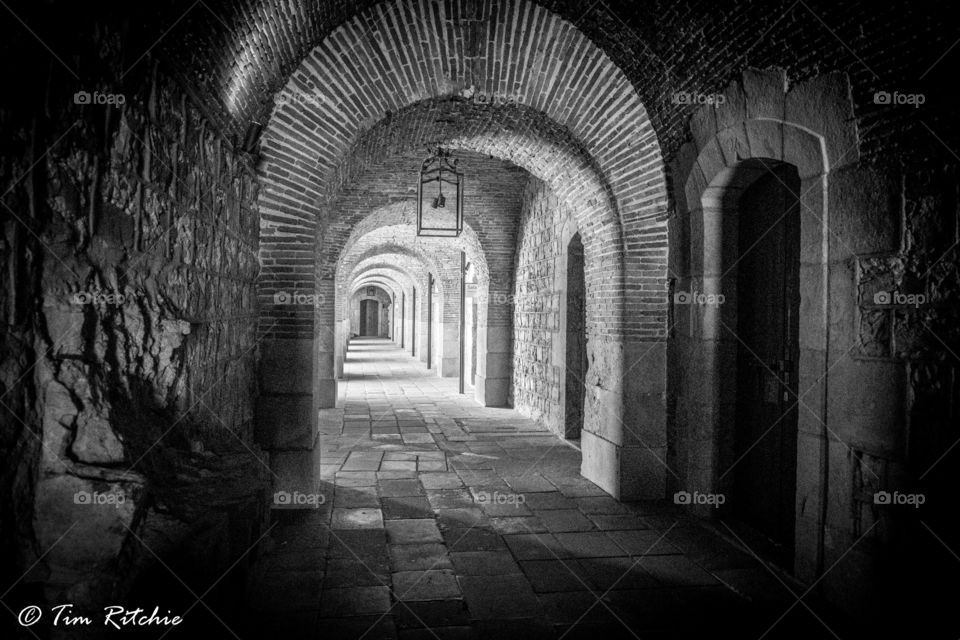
<point x="440" y="197"/>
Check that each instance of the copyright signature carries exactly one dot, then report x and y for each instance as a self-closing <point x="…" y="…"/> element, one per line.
<point x="29" y="615"/>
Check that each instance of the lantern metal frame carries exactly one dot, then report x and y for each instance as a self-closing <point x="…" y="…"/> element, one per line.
<point x="441" y="168"/>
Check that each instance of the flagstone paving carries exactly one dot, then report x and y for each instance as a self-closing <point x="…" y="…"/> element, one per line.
<point x="445" y="519"/>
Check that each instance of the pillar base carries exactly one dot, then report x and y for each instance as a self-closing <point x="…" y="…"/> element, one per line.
<point x="626" y="473"/>
<point x="491" y="392"/>
<point x="449" y="367"/>
<point x="285" y="422"/>
<point x="297" y="481"/>
<point x="326" y="394"/>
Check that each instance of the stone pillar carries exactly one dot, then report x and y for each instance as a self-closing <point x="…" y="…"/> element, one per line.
<point x="285" y="406"/>
<point x="423" y="318"/>
<point x="325" y="370"/>
<point x="448" y="349"/>
<point x="494" y="356"/>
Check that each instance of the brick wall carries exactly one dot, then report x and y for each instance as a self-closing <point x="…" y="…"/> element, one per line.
<point x="300" y="182"/>
<point x="663" y="47"/>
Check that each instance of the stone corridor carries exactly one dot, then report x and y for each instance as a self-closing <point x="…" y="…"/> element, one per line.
<point x="694" y="264"/>
<point x="441" y="518"/>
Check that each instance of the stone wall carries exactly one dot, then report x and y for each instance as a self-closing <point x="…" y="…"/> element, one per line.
<point x="878" y="339"/>
<point x="538" y="355"/>
<point x="130" y="238"/>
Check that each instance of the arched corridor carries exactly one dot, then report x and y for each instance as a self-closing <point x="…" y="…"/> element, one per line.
<point x="479" y="319"/>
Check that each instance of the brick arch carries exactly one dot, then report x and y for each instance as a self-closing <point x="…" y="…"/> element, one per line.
<point x="392" y="228"/>
<point x="413" y="262"/>
<point x="402" y="275"/>
<point x="409" y="265"/>
<point x="419" y="265"/>
<point x="381" y="280"/>
<point x="345" y="78"/>
<point x="374" y="281"/>
<point x="811" y="128"/>
<point x="578" y="125"/>
<point x="400" y="218"/>
<point x="539" y="146"/>
<point x="435" y="256"/>
<point x="525" y="138"/>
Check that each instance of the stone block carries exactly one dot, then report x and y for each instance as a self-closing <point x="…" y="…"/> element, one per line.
<point x="733" y="110"/>
<point x="822" y="105"/>
<point x="765" y="91"/>
<point x="643" y="473"/>
<point x="873" y="410"/>
<point x="285" y="421"/>
<point x="803" y="150"/>
<point x="765" y="138"/>
<point x="286" y="366"/>
<point x="600" y="463"/>
<point x="865" y="215"/>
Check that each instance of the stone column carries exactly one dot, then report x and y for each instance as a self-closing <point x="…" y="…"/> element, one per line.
<point x="494" y="350"/>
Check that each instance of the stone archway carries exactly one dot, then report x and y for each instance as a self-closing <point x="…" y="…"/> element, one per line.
<point x="760" y="125"/>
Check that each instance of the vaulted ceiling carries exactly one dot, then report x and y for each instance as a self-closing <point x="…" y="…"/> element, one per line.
<point x="663" y="46"/>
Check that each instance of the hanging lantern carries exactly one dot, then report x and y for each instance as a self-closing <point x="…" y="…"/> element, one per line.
<point x="440" y="197"/>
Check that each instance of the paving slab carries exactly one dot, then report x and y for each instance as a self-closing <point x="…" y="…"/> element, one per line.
<point x="413" y="531"/>
<point x="419" y="557"/>
<point x="446" y="519"/>
<point x="433" y="584"/>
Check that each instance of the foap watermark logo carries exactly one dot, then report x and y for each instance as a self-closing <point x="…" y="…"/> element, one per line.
<point x="498" y="299"/>
<point x="485" y="497"/>
<point x="296" y="298"/>
<point x="899" y="99"/>
<point x="97" y="498"/>
<point x="98" y="297"/>
<point x="897" y="298"/>
<point x="893" y="499"/>
<point x="697" y="297"/>
<point x="298" y="499"/>
<point x="697" y="98"/>
<point x="297" y="97"/>
<point x="496" y="98"/>
<point x="99" y="98"/>
<point x="697" y="498"/>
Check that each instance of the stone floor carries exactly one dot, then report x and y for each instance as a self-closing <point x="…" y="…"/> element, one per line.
<point x="444" y="519"/>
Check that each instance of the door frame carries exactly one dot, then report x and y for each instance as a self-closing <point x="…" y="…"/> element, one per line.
<point x="712" y="190"/>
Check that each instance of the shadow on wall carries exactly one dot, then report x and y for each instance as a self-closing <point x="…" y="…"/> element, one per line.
<point x="175" y="515"/>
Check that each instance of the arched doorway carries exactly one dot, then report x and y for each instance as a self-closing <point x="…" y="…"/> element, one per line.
<point x="576" y="341"/>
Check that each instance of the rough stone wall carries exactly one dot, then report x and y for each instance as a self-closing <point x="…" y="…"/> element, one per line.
<point x="878" y="336"/>
<point x="538" y="356"/>
<point x="894" y="402"/>
<point x="129" y="247"/>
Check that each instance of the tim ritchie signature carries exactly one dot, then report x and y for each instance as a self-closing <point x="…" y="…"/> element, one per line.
<point x="114" y="616"/>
